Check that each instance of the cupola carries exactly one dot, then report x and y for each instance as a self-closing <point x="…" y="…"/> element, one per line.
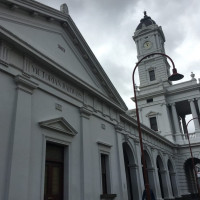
<point x="145" y="21"/>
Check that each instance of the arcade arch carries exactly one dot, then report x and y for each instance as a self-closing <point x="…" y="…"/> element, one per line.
<point x="131" y="171"/>
<point x="150" y="170"/>
<point x="190" y="176"/>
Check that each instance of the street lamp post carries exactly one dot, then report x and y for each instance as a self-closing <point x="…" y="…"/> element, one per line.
<point x="174" y="77"/>
<point x="193" y="165"/>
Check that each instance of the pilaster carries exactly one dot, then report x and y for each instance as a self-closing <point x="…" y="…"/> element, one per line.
<point x="86" y="182"/>
<point x="122" y="175"/>
<point x="21" y="141"/>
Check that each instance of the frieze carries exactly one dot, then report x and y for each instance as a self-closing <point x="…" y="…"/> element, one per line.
<point x="32" y="69"/>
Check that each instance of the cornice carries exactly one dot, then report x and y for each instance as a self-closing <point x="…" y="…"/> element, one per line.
<point x="147" y="130"/>
<point x="151" y="94"/>
<point x="183" y="89"/>
<point x="37" y="7"/>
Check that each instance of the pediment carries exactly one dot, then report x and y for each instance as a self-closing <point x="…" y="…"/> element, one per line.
<point x="60" y="125"/>
<point x="151" y="114"/>
<point x="68" y="53"/>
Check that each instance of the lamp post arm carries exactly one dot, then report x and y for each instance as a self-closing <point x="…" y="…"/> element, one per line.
<point x="148" y="195"/>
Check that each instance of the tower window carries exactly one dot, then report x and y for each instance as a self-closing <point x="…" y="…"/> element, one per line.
<point x="153" y="123"/>
<point x="152" y="75"/>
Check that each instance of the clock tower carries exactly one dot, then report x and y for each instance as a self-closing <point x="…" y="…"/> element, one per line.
<point x="149" y="38"/>
<point x="153" y="74"/>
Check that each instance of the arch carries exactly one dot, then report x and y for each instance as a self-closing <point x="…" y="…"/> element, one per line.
<point x="150" y="169"/>
<point x="172" y="176"/>
<point x="131" y="172"/>
<point x="148" y="158"/>
<point x="190" y="176"/>
<point x="162" y="175"/>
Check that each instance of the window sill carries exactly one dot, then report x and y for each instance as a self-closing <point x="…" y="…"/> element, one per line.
<point x="107" y="196"/>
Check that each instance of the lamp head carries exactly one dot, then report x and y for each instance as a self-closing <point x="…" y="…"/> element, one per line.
<point x="175" y="76"/>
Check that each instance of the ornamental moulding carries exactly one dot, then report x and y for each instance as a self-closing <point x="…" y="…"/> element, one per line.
<point x="59" y="125"/>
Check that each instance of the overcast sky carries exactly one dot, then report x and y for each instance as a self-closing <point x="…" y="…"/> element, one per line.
<point x="108" y="27"/>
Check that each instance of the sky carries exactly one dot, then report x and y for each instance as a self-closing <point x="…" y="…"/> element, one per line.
<point x="108" y="27"/>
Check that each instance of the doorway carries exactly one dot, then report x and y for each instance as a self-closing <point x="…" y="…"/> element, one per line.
<point x="54" y="172"/>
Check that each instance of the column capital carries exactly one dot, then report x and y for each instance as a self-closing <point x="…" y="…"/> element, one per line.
<point x="85" y="112"/>
<point x="118" y="128"/>
<point x="25" y="84"/>
<point x="163" y="171"/>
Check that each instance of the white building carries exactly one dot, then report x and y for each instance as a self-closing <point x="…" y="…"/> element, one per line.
<point x="65" y="132"/>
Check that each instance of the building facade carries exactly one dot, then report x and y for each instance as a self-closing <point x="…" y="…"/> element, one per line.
<point x="65" y="131"/>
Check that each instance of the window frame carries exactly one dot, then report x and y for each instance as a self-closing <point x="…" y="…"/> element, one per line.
<point x="152" y="77"/>
<point x="151" y="125"/>
<point x="104" y="149"/>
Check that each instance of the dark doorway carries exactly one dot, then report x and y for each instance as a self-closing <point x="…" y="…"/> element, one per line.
<point x="191" y="181"/>
<point x="53" y="188"/>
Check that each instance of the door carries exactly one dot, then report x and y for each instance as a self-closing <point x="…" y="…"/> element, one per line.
<point x="53" y="188"/>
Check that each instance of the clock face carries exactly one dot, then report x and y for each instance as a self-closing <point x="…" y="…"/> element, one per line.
<point x="147" y="45"/>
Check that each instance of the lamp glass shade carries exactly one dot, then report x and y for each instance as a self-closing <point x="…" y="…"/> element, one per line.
<point x="175" y="76"/>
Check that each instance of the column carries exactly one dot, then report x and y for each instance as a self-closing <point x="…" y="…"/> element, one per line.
<point x="173" y="183"/>
<point x="141" y="179"/>
<point x="176" y="121"/>
<point x="157" y="182"/>
<point x="166" y="185"/>
<point x="86" y="182"/>
<point x="198" y="102"/>
<point x="19" y="172"/>
<point x="184" y="124"/>
<point x="134" y="180"/>
<point x="194" y="115"/>
<point x="166" y="126"/>
<point x="122" y="173"/>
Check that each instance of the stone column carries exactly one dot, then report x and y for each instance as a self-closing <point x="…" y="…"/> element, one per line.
<point x="134" y="180"/>
<point x="157" y="182"/>
<point x="198" y="102"/>
<point x="176" y="121"/>
<point x="152" y="180"/>
<point x="166" y="184"/>
<point x="18" y="179"/>
<point x="184" y="124"/>
<point x="122" y="173"/>
<point x="86" y="157"/>
<point x="141" y="178"/>
<point x="173" y="183"/>
<point x="194" y="115"/>
<point x="166" y="126"/>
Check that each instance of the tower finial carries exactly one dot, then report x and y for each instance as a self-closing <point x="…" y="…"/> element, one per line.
<point x="145" y="13"/>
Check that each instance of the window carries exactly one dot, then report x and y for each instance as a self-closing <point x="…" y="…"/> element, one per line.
<point x="153" y="123"/>
<point x="149" y="100"/>
<point x="54" y="172"/>
<point x="152" y="75"/>
<point x="105" y="174"/>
